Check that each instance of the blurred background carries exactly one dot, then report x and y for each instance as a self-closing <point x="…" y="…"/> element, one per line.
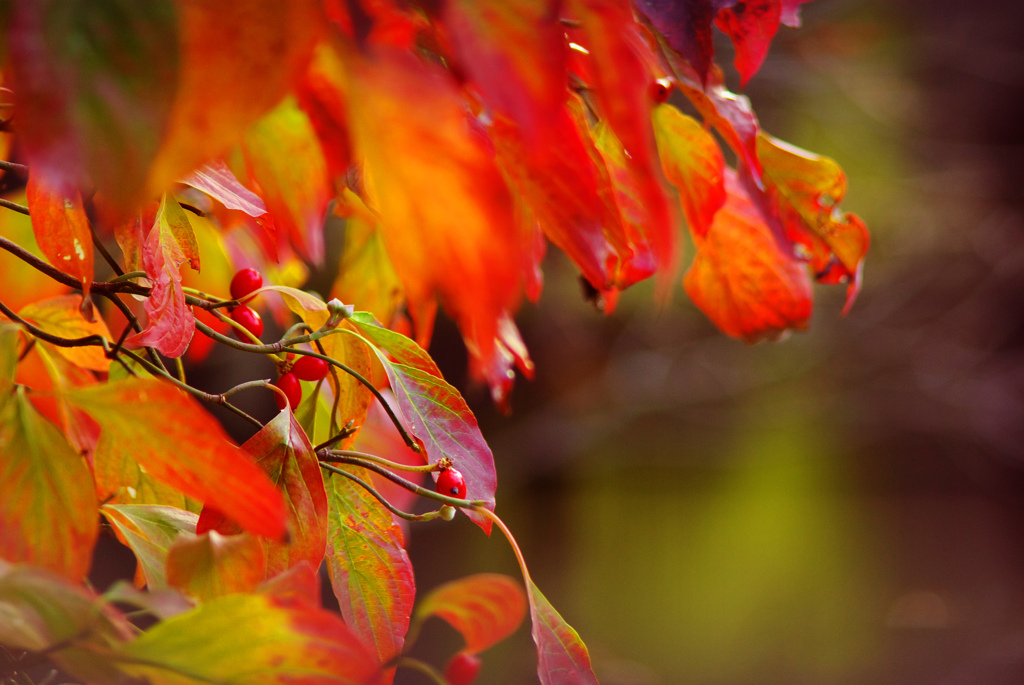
<point x="845" y="506"/>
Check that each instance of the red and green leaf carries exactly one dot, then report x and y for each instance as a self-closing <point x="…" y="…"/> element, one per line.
<point x="251" y="640"/>
<point x="369" y="567"/>
<point x="213" y="565"/>
<point x="562" y="658"/>
<point x="150" y="531"/>
<point x="177" y="442"/>
<point x="485" y="608"/>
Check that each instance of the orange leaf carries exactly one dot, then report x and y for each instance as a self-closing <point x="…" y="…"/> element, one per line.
<point x="177" y="442"/>
<point x="741" y="278"/>
<point x="213" y="565"/>
<point x="62" y="316"/>
<point x="47" y="503"/>
<point x="485" y="608"/>
<point x="446" y="213"/>
<point x="61" y="228"/>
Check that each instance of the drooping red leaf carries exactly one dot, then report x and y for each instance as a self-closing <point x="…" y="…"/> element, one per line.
<point x="323" y="96"/>
<point x="150" y="531"/>
<point x="562" y="658"/>
<point x="434" y="412"/>
<point x="61" y="227"/>
<point x="213" y="565"/>
<point x="284" y="158"/>
<point x="751" y="24"/>
<point x="514" y="53"/>
<point x="686" y="26"/>
<point x="485" y="608"/>
<point x="177" y="442"/>
<point x="93" y="84"/>
<point x="742" y="279"/>
<point x="256" y="639"/>
<point x="446" y="213"/>
<point x="369" y="567"/>
<point x="693" y="163"/>
<point x="169" y="243"/>
<point x="216" y="180"/>
<point x="44" y="613"/>
<point x="510" y="353"/>
<point x="47" y="503"/>
<point x="62" y="316"/>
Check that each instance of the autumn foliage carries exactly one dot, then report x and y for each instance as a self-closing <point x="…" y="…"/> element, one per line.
<point x="157" y="148"/>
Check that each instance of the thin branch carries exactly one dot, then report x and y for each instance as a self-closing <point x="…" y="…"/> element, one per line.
<point x="423" y="468"/>
<point x="102" y="249"/>
<point x="430" y="515"/>
<point x="14" y="166"/>
<point x="66" y="278"/>
<point x="334" y="456"/>
<point x="87" y="341"/>
<point x="14" y="205"/>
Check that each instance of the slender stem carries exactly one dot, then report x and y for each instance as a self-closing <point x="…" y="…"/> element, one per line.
<point x="380" y="498"/>
<point x="426" y="468"/>
<point x="348" y="430"/>
<point x="13" y="166"/>
<point x="102" y="249"/>
<point x="515" y="548"/>
<point x="337" y="395"/>
<point x="15" y="206"/>
<point x="246" y="386"/>
<point x="122" y="276"/>
<point x="179" y="368"/>
<point x="66" y="278"/>
<point x="423" y="667"/>
<point x="134" y="324"/>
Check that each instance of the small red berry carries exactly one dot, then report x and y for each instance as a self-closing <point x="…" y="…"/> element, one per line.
<point x="245" y="282"/>
<point x="450" y="482"/>
<point x="310" y="368"/>
<point x="290" y="385"/>
<point x="249" y="319"/>
<point x="462" y="669"/>
<point x="660" y="90"/>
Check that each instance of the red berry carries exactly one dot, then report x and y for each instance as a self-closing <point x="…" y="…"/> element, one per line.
<point x="462" y="669"/>
<point x="660" y="90"/>
<point x="244" y="282"/>
<point x="249" y="319"/>
<point x="450" y="482"/>
<point x="310" y="368"/>
<point x="290" y="385"/>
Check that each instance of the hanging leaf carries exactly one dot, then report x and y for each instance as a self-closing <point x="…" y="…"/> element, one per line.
<point x="285" y="160"/>
<point x="434" y="411"/>
<point x="62" y="316"/>
<point x="170" y="242"/>
<point x="251" y="640"/>
<point x="750" y="25"/>
<point x="369" y="567"/>
<point x="47" y="504"/>
<point x="213" y="565"/>
<point x="177" y="442"/>
<point x="46" y="613"/>
<point x="61" y="227"/>
<point x="93" y="85"/>
<point x="562" y="658"/>
<point x="485" y="608"/>
<point x="686" y="26"/>
<point x="741" y="278"/>
<point x="216" y="180"/>
<point x="150" y="531"/>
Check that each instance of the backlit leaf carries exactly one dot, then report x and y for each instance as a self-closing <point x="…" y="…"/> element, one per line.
<point x="177" y="442"/>
<point x="562" y="658"/>
<point x="741" y="278"/>
<point x="370" y="570"/>
<point x="61" y="227"/>
<point x="251" y="640"/>
<point x="169" y="243"/>
<point x="485" y="608"/>
<point x="42" y="611"/>
<point x="94" y="83"/>
<point x="216" y="180"/>
<point x="435" y="412"/>
<point x="48" y="514"/>
<point x="323" y="95"/>
<point x="446" y="214"/>
<point x="686" y="25"/>
<point x="693" y="163"/>
<point x="751" y="25"/>
<point x="285" y="159"/>
<point x="61" y="316"/>
<point x="213" y="565"/>
<point x="150" y="531"/>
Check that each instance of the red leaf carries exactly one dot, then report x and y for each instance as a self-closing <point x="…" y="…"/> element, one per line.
<point x="510" y="352"/>
<point x="47" y="503"/>
<point x="217" y="181"/>
<point x="741" y="278"/>
<point x="179" y="443"/>
<point x="446" y="213"/>
<point x="323" y="96"/>
<point x="485" y="608"/>
<point x="562" y="658"/>
<point x="213" y="565"/>
<point x="435" y="412"/>
<point x="686" y="25"/>
<point x="170" y="242"/>
<point x="751" y="24"/>
<point x="61" y="228"/>
<point x="369" y="567"/>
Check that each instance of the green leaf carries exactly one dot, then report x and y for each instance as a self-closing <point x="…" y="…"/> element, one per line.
<point x="562" y="658"/>
<point x="213" y="565"/>
<point x="167" y="433"/>
<point x="369" y="567"/>
<point x="40" y="611"/>
<point x="251" y="640"/>
<point x="435" y="411"/>
<point x="150" y="531"/>
<point x="48" y="508"/>
<point x="485" y="608"/>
